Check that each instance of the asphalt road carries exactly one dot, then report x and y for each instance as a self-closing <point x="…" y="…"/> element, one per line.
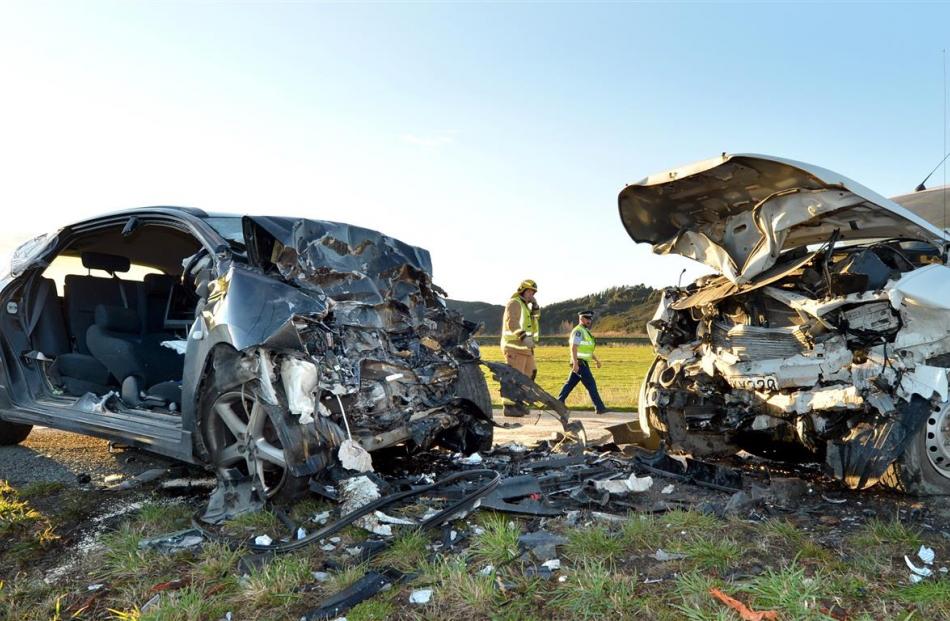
<point x="51" y="455"/>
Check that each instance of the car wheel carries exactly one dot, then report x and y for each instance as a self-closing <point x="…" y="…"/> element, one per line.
<point x="924" y="467"/>
<point x="242" y="432"/>
<point x="13" y="433"/>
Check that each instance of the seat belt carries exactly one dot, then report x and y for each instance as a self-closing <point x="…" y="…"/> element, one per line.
<point x="37" y="310"/>
<point x="125" y="299"/>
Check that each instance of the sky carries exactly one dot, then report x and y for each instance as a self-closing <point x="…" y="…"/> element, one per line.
<point x="496" y="135"/>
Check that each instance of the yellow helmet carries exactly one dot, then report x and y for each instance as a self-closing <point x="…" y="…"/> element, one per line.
<point x="527" y="284"/>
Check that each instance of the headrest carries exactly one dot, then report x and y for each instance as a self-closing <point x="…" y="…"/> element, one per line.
<point x="158" y="284"/>
<point x="117" y="319"/>
<point x="107" y="262"/>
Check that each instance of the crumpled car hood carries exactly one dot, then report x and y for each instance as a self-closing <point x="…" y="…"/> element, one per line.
<point x="738" y="213"/>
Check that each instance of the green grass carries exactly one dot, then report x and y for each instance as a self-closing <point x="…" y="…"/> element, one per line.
<point x="624" y="367"/>
<point x="499" y="543"/>
<point x="597" y="543"/>
<point x="710" y="552"/>
<point x="790" y="590"/>
<point x="593" y="591"/>
<point x="877" y="532"/>
<point x="40" y="489"/>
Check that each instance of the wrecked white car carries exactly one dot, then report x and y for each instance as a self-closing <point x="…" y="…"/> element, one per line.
<point x="255" y="345"/>
<point x="825" y="329"/>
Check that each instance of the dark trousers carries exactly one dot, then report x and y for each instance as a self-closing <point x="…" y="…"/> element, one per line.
<point x="584" y="376"/>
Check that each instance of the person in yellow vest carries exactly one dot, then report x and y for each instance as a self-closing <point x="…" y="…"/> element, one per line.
<point x="520" y="331"/>
<point x="581" y="343"/>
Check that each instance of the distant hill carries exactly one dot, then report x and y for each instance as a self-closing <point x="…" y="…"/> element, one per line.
<point x="618" y="311"/>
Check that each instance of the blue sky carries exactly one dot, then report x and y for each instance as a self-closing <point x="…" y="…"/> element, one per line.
<point x="495" y="135"/>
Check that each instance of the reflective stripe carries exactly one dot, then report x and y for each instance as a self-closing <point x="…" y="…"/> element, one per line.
<point x="529" y="324"/>
<point x="585" y="349"/>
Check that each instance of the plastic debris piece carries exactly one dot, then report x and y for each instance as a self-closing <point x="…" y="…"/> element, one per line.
<point x="914" y="578"/>
<point x="562" y="578"/>
<point x="420" y="596"/>
<point x="621" y="487"/>
<point x="834" y="501"/>
<point x="355" y="457"/>
<point x="328" y="547"/>
<point x="926" y="554"/>
<point x="389" y="519"/>
<point x="357" y="492"/>
<point x="471" y="460"/>
<point x="542" y="544"/>
<point x="668" y="489"/>
<point x="300" y="380"/>
<point x="301" y="532"/>
<point x="151" y="603"/>
<point x="745" y="613"/>
<point x="920" y="571"/>
<point x="95" y="587"/>
<point x="681" y="459"/>
<point x="177" y="541"/>
<point x="263" y="540"/>
<point x="554" y="564"/>
<point x="486" y="570"/>
<point x="144" y="477"/>
<point x="321" y="518"/>
<point x="320" y="576"/>
<point x="176" y="346"/>
<point x="335" y="540"/>
<point x="662" y="555"/>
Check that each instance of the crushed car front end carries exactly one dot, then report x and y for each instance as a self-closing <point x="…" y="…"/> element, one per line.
<point x="324" y="334"/>
<point x="824" y="330"/>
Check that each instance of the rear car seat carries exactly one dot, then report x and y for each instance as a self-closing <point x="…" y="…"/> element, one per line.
<point x="78" y="371"/>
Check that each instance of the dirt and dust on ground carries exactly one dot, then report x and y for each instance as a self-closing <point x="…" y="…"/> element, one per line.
<point x="612" y="531"/>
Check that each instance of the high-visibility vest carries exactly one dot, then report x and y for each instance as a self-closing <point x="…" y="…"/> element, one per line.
<point x="529" y="325"/>
<point x="585" y="349"/>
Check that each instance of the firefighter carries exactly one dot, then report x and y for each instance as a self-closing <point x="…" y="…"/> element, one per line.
<point x="581" y="344"/>
<point x="520" y="331"/>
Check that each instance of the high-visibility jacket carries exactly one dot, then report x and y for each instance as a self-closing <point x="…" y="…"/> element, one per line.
<point x="528" y="324"/>
<point x="585" y="349"/>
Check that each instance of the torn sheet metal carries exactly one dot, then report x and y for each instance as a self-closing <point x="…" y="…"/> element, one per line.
<point x="752" y="207"/>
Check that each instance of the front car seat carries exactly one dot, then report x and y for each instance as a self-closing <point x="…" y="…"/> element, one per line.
<point x="149" y="373"/>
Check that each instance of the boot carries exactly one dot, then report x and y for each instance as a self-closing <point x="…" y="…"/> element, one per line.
<point x="514" y="411"/>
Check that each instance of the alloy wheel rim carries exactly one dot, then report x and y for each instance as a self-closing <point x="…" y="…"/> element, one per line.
<point x="242" y="436"/>
<point x="938" y="440"/>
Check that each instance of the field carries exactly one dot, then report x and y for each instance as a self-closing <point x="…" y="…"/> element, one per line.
<point x="624" y="367"/>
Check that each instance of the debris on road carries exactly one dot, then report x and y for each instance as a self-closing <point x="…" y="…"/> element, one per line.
<point x="420" y="596"/>
<point x="745" y="613"/>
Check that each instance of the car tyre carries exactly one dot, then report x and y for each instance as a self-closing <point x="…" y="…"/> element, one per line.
<point x="240" y="430"/>
<point x="13" y="433"/>
<point x="924" y="468"/>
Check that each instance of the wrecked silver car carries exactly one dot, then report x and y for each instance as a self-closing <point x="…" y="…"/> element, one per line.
<point x="259" y="346"/>
<point x="823" y="333"/>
